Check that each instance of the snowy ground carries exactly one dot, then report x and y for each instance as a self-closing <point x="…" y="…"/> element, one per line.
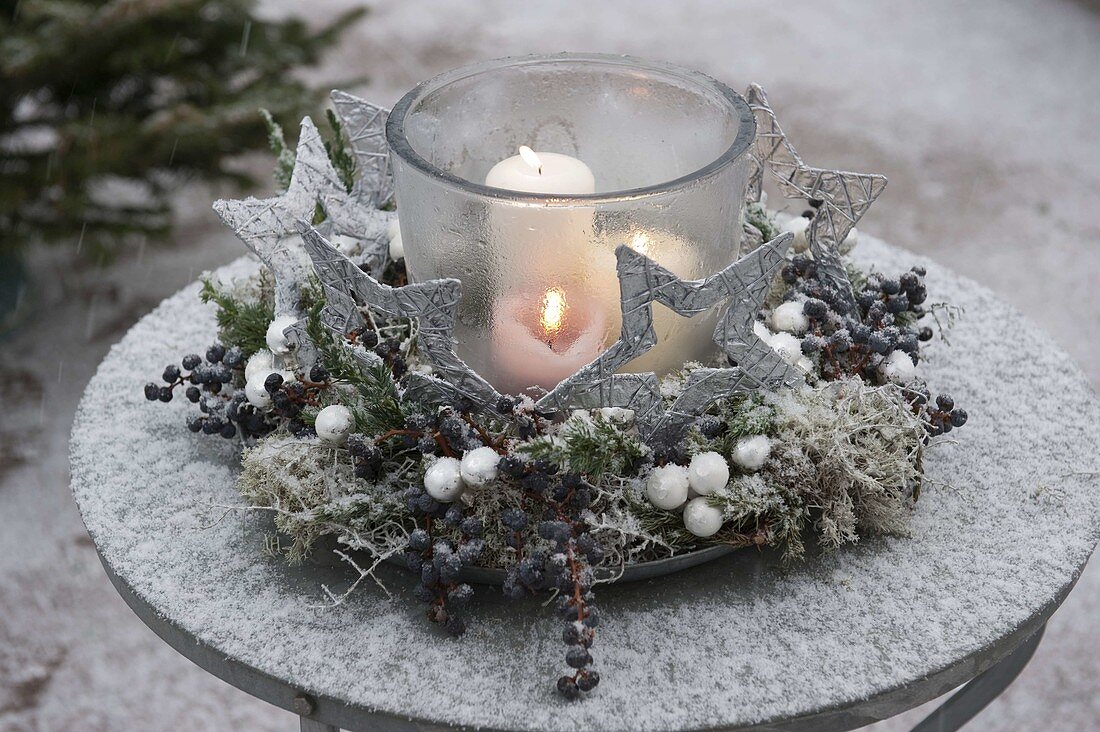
<point x="982" y="115"/>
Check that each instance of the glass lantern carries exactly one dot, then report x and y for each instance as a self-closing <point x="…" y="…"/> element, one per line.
<point x="521" y="176"/>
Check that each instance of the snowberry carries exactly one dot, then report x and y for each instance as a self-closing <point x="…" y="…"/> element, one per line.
<point x="899" y="368"/>
<point x="256" y="393"/>
<point x="751" y="453"/>
<point x="849" y="242"/>
<point x="479" y="467"/>
<point x="259" y="362"/>
<point x="799" y="226"/>
<point x="791" y="318"/>
<point x="667" y="486"/>
<point x="787" y="346"/>
<point x="276" y="339"/>
<point x="702" y="519"/>
<point x="345" y="244"/>
<point x="443" y="480"/>
<point x="334" y="424"/>
<point x="707" y="472"/>
<point x="761" y="331"/>
<point x="397" y="249"/>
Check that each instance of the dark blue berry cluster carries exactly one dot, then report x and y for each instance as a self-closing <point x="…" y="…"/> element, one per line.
<point x="862" y="339"/>
<point x="290" y="397"/>
<point x="555" y="553"/>
<point x="213" y="383"/>
<point x="209" y="382"/>
<point x="439" y="561"/>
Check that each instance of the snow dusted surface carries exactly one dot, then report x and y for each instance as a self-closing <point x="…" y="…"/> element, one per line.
<point x="738" y="641"/>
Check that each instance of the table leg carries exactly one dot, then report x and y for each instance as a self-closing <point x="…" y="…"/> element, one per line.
<point x="982" y="689"/>
<point x="311" y="725"/>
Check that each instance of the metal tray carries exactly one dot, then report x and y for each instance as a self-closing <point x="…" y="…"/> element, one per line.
<point x="323" y="555"/>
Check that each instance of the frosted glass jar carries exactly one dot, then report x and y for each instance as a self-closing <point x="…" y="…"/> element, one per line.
<point x="669" y="150"/>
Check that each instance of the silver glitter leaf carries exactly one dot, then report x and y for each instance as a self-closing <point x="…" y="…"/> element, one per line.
<point x="845" y="196"/>
<point x="365" y="125"/>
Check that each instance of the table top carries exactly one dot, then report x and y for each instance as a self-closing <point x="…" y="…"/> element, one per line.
<point x="1003" y="529"/>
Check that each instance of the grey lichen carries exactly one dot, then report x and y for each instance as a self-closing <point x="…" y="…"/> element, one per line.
<point x="312" y="490"/>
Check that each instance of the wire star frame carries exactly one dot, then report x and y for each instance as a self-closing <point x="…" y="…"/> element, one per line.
<point x="279" y="231"/>
<point x="844" y="196"/>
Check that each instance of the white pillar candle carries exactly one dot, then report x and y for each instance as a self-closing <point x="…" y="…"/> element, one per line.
<point x="553" y="240"/>
<point x="542" y="172"/>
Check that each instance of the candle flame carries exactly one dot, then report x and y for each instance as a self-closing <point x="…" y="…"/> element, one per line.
<point x="553" y="312"/>
<point x="640" y="243"/>
<point x="531" y="158"/>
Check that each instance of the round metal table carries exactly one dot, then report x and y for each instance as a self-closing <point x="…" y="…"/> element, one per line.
<point x="1003" y="529"/>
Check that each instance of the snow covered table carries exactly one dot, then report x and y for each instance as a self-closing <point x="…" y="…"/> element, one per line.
<point x="1001" y="533"/>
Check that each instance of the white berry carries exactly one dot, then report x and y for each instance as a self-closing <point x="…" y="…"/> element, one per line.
<point x="334" y="424"/>
<point x="798" y="226"/>
<point x="479" y="467"/>
<point x="708" y="472"/>
<point x="397" y="248"/>
<point x="790" y="317"/>
<point x="702" y="519"/>
<point x="260" y="362"/>
<point x="761" y="331"/>
<point x="345" y="244"/>
<point x="256" y="393"/>
<point x="617" y="414"/>
<point x="849" y="242"/>
<point x="276" y="339"/>
<point x="751" y="453"/>
<point x="667" y="486"/>
<point x="899" y="368"/>
<point x="787" y="346"/>
<point x="443" y="480"/>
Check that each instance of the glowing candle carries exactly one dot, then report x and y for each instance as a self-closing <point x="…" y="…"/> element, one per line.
<point x="542" y="172"/>
<point x="539" y="341"/>
<point x="540" y="236"/>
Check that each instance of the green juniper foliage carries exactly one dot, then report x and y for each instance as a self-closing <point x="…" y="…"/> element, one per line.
<point x="762" y="219"/>
<point x="595" y="447"/>
<point x="242" y="323"/>
<point x="106" y="106"/>
<point x="378" y="407"/>
<point x="337" y="147"/>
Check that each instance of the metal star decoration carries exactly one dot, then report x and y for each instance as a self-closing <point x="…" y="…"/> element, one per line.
<point x="365" y="125"/>
<point x="432" y="304"/>
<point x="845" y="196"/>
<point x="362" y="215"/>
<point x="269" y="226"/>
<point x="744" y="284"/>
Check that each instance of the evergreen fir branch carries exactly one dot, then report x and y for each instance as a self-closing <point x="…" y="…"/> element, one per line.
<point x="758" y="216"/>
<point x="594" y="447"/>
<point x="284" y="155"/>
<point x="380" y="410"/>
<point x="337" y="148"/>
<point x="240" y="323"/>
<point x="150" y="94"/>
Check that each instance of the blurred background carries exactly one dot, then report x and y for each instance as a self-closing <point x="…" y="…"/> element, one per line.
<point x="121" y="120"/>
